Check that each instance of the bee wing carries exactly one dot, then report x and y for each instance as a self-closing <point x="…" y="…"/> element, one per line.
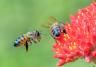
<point x="45" y="26"/>
<point x="26" y="46"/>
<point x="50" y="21"/>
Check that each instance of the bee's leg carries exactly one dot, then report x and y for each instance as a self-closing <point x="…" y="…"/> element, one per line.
<point x="34" y="40"/>
<point x="26" y="46"/>
<point x="30" y="41"/>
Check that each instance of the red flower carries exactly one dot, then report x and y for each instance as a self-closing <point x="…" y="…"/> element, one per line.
<point x="80" y="40"/>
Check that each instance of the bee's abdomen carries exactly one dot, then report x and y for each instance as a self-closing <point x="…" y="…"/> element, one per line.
<point x="17" y="43"/>
<point x="20" y="41"/>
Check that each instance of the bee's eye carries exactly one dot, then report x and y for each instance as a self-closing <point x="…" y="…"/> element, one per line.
<point x="38" y="34"/>
<point x="64" y="31"/>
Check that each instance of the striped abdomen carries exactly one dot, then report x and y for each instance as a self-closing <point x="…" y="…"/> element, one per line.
<point x="21" y="41"/>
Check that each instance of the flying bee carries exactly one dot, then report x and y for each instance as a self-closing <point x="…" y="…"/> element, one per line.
<point x="27" y="39"/>
<point x="56" y="28"/>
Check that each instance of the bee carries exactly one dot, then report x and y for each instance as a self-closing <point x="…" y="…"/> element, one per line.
<point x="27" y="39"/>
<point x="56" y="28"/>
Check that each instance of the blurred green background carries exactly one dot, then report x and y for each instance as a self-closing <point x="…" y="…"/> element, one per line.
<point x="20" y="16"/>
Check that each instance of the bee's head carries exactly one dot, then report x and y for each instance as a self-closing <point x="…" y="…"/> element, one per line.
<point x="35" y="34"/>
<point x="38" y="35"/>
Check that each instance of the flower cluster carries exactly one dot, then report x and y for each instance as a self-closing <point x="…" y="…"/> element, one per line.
<point x="80" y="39"/>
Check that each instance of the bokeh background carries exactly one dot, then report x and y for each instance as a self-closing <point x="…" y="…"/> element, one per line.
<point x="20" y="16"/>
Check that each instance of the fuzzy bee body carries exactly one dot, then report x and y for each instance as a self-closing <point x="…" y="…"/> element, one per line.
<point x="57" y="29"/>
<point x="27" y="38"/>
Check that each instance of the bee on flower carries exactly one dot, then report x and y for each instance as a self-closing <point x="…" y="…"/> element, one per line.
<point x="56" y="28"/>
<point x="80" y="39"/>
<point x="28" y="38"/>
